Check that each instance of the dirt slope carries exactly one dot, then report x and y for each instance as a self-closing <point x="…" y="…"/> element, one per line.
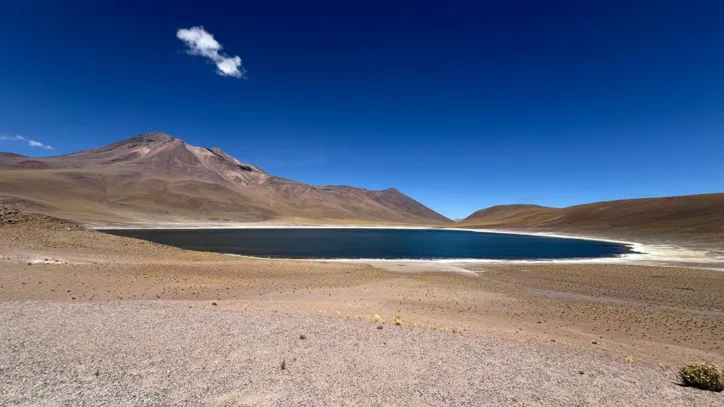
<point x="154" y="176"/>
<point x="690" y="216"/>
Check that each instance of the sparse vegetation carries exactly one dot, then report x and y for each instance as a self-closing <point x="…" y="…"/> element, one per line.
<point x="284" y="364"/>
<point x="629" y="359"/>
<point x="705" y="376"/>
<point x="302" y="337"/>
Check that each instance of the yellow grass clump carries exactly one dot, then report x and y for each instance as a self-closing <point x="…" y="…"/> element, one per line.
<point x="705" y="376"/>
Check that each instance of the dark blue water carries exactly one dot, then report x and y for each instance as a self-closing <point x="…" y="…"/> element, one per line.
<point x="377" y="244"/>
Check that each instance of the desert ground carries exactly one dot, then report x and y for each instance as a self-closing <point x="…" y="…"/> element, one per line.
<point x="94" y="319"/>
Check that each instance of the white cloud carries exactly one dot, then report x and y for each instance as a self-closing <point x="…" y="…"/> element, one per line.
<point x="201" y="42"/>
<point x="31" y="143"/>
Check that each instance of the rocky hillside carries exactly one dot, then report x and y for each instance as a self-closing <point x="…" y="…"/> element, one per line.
<point x="12" y="217"/>
<point x="156" y="177"/>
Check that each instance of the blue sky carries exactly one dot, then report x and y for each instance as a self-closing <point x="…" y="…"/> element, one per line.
<point x="461" y="105"/>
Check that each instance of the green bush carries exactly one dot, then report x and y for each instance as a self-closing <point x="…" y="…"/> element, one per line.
<point x="703" y="376"/>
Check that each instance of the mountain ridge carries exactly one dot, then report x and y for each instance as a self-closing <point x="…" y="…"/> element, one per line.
<point x="155" y="175"/>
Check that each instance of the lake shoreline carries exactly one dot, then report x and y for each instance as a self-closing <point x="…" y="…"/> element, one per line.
<point x="641" y="253"/>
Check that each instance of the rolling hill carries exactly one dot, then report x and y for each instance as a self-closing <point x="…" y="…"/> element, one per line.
<point x="690" y="215"/>
<point x="156" y="177"/>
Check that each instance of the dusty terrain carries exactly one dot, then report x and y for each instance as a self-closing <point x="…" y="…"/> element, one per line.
<point x="92" y="318"/>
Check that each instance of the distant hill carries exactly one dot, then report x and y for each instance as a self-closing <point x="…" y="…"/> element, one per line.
<point x="689" y="215"/>
<point x="520" y="213"/>
<point x="11" y="155"/>
<point x="154" y="176"/>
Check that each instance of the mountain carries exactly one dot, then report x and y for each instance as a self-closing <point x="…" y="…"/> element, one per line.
<point x="156" y="177"/>
<point x="694" y="216"/>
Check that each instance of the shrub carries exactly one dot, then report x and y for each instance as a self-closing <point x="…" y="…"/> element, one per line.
<point x="302" y="337"/>
<point x="703" y="376"/>
<point x="399" y="320"/>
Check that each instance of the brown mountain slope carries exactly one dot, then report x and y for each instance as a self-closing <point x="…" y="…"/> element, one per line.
<point x="505" y="214"/>
<point x="156" y="177"/>
<point x="691" y="215"/>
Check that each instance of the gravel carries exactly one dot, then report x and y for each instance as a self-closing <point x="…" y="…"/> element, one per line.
<point x="191" y="353"/>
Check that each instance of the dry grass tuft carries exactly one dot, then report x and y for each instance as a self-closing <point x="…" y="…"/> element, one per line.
<point x="705" y="376"/>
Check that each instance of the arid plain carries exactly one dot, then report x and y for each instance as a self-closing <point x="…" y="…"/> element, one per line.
<point x="110" y="319"/>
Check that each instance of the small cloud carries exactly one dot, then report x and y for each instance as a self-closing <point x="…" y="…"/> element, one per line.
<point x="31" y="143"/>
<point x="200" y="42"/>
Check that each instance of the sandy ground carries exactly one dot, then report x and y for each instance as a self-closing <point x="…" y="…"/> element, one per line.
<point x="92" y="319"/>
<point x="188" y="353"/>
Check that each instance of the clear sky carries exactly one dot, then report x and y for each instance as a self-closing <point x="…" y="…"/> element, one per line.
<point x="461" y="105"/>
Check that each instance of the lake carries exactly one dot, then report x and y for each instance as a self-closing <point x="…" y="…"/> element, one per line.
<point x="348" y="243"/>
